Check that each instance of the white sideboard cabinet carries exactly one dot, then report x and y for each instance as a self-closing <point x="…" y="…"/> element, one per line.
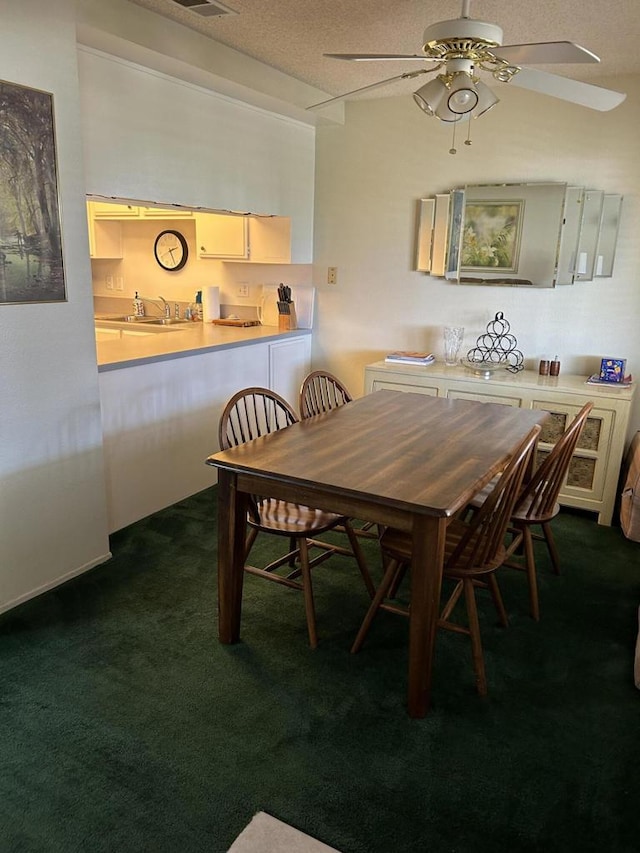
<point x="592" y="479"/>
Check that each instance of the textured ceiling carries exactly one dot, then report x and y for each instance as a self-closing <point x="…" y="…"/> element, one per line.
<point x="292" y="35"/>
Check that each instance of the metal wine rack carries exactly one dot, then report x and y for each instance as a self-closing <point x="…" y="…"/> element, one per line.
<point x="497" y="346"/>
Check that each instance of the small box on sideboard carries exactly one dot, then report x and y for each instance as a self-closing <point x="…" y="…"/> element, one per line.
<point x="612" y="369"/>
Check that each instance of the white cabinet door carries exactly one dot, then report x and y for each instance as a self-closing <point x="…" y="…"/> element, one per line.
<point x="587" y="474"/>
<point x="289" y="363"/>
<point x="270" y="240"/>
<point x="381" y="384"/>
<point x="105" y="210"/>
<point x="482" y="396"/>
<point x="166" y="213"/>
<point x="221" y="236"/>
<point x="105" y="239"/>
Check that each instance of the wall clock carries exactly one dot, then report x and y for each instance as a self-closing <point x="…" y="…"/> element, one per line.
<point x="171" y="250"/>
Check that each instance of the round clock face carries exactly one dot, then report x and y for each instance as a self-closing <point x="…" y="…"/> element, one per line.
<point x="171" y="250"/>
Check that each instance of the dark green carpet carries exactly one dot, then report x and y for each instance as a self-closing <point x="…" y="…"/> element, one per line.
<point x="125" y="726"/>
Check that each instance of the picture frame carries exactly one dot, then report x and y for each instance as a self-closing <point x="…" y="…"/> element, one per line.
<point x="31" y="259"/>
<point x="492" y="235"/>
<point x="456" y="230"/>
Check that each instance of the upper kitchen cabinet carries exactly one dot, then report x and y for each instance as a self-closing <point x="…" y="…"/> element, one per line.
<point x="245" y="238"/>
<point x="269" y="239"/>
<point x="106" y="210"/>
<point x="105" y="238"/>
<point x="109" y="210"/>
<point x="166" y="213"/>
<point x="221" y="236"/>
<point x="249" y="239"/>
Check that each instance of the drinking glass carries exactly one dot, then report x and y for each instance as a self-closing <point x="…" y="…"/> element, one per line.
<point x="453" y="336"/>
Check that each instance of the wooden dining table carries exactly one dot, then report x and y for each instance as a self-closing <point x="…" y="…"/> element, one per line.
<point x="405" y="460"/>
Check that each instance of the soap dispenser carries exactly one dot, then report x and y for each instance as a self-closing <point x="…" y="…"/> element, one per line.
<point x="138" y="306"/>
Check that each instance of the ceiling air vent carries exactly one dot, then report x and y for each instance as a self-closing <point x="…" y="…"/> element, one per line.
<point x="205" y="8"/>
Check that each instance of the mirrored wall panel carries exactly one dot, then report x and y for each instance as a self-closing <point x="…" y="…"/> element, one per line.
<point x="518" y="235"/>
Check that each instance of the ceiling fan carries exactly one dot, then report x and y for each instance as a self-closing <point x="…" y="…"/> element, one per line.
<point x="460" y="48"/>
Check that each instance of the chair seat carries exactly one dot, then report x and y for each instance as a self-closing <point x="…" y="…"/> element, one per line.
<point x="289" y="519"/>
<point x="397" y="545"/>
<point x="523" y="512"/>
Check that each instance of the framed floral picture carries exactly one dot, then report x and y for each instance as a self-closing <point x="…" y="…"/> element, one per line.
<point x="491" y="236"/>
<point x="31" y="266"/>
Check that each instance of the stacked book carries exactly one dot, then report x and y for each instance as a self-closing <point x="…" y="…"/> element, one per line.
<point x="409" y="357"/>
<point x="608" y="383"/>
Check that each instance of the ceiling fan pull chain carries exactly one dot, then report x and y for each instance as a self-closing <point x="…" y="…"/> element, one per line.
<point x="453" y="149"/>
<point x="468" y="139"/>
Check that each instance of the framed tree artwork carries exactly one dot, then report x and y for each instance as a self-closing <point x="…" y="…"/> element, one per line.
<point x="31" y="265"/>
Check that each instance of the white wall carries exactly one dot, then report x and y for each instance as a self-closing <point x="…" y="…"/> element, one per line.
<point x="52" y="498"/>
<point x="369" y="175"/>
<point x="153" y="137"/>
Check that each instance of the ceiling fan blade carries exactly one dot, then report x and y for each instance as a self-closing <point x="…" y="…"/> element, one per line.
<point x="542" y="53"/>
<point x="575" y="91"/>
<point x="380" y="57"/>
<point x="406" y="76"/>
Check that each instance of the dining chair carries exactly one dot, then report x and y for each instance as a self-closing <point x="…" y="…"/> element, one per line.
<point x="255" y="412"/>
<point x="474" y="549"/>
<point x="320" y="392"/>
<point x="537" y="506"/>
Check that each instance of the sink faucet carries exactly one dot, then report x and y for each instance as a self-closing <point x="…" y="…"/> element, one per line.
<point x="165" y="309"/>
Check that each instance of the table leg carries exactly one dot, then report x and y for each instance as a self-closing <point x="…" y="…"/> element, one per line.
<point x="232" y="528"/>
<point x="428" y="541"/>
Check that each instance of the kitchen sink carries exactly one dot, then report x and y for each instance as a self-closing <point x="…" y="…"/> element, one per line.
<point x="166" y="321"/>
<point x="126" y="318"/>
<point x="145" y="321"/>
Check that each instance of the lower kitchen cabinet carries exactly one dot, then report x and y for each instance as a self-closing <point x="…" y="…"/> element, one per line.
<point x="160" y="420"/>
<point x="592" y="479"/>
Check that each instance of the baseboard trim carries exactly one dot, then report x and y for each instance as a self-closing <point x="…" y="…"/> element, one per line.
<point x="34" y="593"/>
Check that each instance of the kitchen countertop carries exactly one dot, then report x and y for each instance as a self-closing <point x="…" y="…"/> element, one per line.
<point x="164" y="344"/>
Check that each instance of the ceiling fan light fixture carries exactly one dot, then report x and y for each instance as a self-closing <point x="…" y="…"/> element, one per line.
<point x="462" y="97"/>
<point x="429" y="96"/>
<point x="445" y="114"/>
<point x="486" y="99"/>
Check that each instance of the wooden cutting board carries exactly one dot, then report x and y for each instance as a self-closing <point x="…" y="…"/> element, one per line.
<point x="236" y="322"/>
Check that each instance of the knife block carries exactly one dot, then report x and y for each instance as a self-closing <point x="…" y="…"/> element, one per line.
<point x="288" y="322"/>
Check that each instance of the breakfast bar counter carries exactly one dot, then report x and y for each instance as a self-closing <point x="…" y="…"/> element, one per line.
<point x="162" y="392"/>
<point x="121" y="345"/>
